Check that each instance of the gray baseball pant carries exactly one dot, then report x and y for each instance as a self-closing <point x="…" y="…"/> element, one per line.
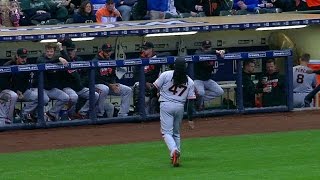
<point x="171" y="115"/>
<point x="84" y="93"/>
<point x="207" y="90"/>
<point x="8" y="101"/>
<point x="62" y="100"/>
<point x="298" y="100"/>
<point x="126" y="96"/>
<point x="31" y="96"/>
<point x="103" y="92"/>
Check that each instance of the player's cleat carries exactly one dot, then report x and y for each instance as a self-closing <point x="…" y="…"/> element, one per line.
<point x="7" y="121"/>
<point x="50" y="117"/>
<point x="307" y="103"/>
<point x="27" y="118"/>
<point x="191" y="124"/>
<point x="176" y="158"/>
<point x="80" y="116"/>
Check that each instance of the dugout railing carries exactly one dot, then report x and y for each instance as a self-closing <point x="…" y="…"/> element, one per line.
<point x="142" y="116"/>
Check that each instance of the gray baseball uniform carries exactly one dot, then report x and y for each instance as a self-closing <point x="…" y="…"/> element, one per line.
<point x="212" y="88"/>
<point x="84" y="93"/>
<point x="62" y="99"/>
<point x="103" y="92"/>
<point x="303" y="84"/>
<point x="8" y="100"/>
<point x="31" y="96"/>
<point x="172" y="100"/>
<point x="126" y="96"/>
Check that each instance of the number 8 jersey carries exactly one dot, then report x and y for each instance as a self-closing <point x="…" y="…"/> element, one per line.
<point x="303" y="82"/>
<point x="171" y="93"/>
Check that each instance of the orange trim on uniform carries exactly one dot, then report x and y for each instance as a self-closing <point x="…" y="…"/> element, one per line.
<point x="156" y="85"/>
<point x="192" y="97"/>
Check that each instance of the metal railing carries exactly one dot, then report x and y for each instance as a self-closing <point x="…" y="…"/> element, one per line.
<point x="92" y="65"/>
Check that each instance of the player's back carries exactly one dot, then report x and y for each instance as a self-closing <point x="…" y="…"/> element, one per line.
<point x="170" y="92"/>
<point x="302" y="81"/>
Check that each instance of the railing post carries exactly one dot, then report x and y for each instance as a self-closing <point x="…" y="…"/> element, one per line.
<point x="142" y="88"/>
<point x="92" y="90"/>
<point x="41" y="120"/>
<point x="289" y="80"/>
<point x="239" y="87"/>
<point x="190" y="69"/>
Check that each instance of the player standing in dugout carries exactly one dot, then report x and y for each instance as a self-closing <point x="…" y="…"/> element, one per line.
<point x="151" y="72"/>
<point x="274" y="80"/>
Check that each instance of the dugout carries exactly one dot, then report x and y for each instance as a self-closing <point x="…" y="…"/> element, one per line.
<point x="236" y="34"/>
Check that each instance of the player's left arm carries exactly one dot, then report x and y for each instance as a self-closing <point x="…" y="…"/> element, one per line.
<point x="310" y="71"/>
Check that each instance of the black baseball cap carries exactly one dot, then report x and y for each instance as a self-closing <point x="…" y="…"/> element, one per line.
<point x="106" y="47"/>
<point x="65" y="41"/>
<point x="71" y="47"/>
<point x="206" y="44"/>
<point x="147" y="45"/>
<point x="22" y="52"/>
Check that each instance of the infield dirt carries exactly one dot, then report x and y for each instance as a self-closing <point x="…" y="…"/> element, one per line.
<point x="58" y="138"/>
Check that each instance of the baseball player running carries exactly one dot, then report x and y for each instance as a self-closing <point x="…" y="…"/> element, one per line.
<point x="175" y="88"/>
<point x="303" y="83"/>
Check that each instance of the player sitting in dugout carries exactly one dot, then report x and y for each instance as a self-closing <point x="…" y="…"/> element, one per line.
<point x="206" y="88"/>
<point x="106" y="78"/>
<point x="303" y="82"/>
<point x="25" y="85"/>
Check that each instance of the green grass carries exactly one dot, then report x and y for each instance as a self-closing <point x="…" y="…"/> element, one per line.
<point x="292" y="155"/>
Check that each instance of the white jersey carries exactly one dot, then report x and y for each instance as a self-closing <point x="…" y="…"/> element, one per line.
<point x="172" y="93"/>
<point x="303" y="82"/>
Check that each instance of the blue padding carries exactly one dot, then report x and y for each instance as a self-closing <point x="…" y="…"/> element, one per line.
<point x="266" y="109"/>
<point x="133" y="62"/>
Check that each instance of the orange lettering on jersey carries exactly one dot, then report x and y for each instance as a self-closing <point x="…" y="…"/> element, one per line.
<point x="70" y="71"/>
<point x="105" y="71"/>
<point x="214" y="6"/>
<point x="149" y="68"/>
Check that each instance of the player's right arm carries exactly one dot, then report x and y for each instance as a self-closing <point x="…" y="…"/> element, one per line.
<point x="160" y="81"/>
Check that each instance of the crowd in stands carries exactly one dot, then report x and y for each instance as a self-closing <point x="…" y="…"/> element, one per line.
<point x="16" y="13"/>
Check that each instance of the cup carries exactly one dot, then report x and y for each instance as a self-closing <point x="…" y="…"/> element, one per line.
<point x="264" y="80"/>
<point x="269" y="86"/>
